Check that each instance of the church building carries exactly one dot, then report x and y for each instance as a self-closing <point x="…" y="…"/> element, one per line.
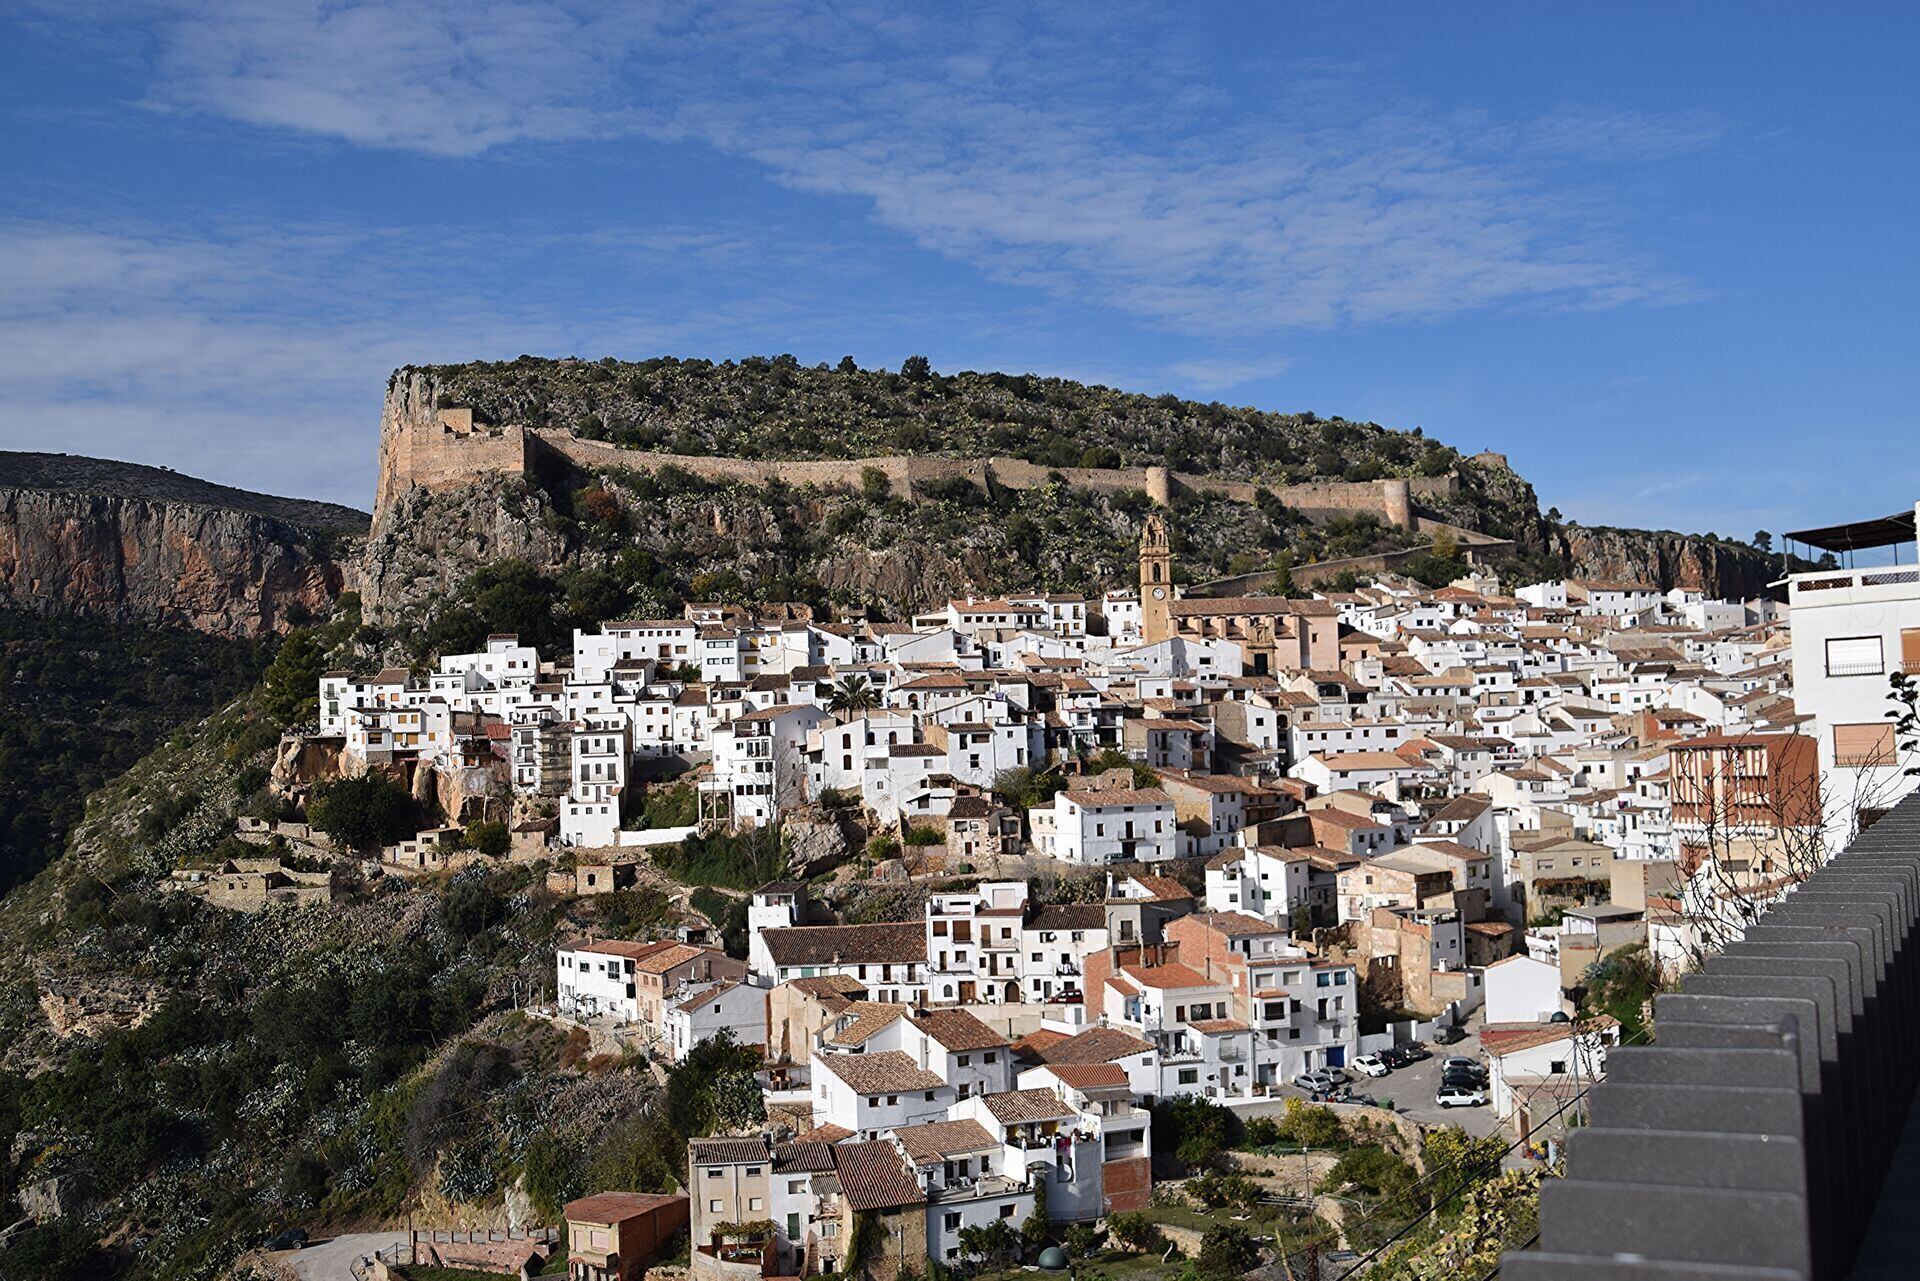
<point x="1274" y="633"/>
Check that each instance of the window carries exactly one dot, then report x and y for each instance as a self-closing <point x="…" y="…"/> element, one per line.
<point x="952" y="1222"/>
<point x="1006" y="1212"/>
<point x="713" y="1207"/>
<point x="713" y="1174"/>
<point x="1855" y="656"/>
<point x="1861" y="746"/>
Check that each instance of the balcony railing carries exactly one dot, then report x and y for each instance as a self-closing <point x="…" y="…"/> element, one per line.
<point x="1873" y="667"/>
<point x="1840" y="581"/>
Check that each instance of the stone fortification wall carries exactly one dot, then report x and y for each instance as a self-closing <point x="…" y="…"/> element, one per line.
<point x="425" y="447"/>
<point x="430" y="447"/>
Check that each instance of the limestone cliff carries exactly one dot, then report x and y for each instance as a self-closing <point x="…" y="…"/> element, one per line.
<point x="127" y="543"/>
<point x="1667" y="559"/>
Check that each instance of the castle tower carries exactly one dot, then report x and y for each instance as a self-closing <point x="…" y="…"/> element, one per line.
<point x="1156" y="581"/>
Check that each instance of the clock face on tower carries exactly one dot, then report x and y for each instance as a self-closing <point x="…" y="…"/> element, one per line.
<point x="1159" y="593"/>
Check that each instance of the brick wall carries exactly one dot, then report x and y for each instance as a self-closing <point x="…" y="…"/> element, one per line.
<point x="1128" y="1184"/>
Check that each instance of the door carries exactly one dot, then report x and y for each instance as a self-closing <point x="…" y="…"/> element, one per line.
<point x="1336" y="1056"/>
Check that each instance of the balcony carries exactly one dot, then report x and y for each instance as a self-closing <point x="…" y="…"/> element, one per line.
<point x="1840" y="587"/>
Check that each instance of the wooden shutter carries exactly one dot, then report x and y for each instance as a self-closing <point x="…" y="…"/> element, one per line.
<point x="1860" y="745"/>
<point x="1910" y="649"/>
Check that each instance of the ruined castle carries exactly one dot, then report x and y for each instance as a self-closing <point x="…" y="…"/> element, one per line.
<point x="426" y="446"/>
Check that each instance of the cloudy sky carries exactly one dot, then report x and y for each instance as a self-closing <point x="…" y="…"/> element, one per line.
<point x="1661" y="256"/>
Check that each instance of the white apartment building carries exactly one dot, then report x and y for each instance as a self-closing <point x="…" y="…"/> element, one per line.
<point x="1123" y="825"/>
<point x="1852" y="629"/>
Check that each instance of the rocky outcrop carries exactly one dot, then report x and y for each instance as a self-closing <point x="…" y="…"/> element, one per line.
<point x="1666" y="559"/>
<point x="426" y="541"/>
<point x="127" y="543"/>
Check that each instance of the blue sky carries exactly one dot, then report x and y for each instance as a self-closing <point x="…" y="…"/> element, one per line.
<point x="1660" y="255"/>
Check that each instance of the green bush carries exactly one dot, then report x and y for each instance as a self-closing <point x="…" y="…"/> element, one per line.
<point x="1227" y="1250"/>
<point x="363" y="813"/>
<point x="489" y="837"/>
<point x="1135" y="1231"/>
<point x="1374" y="1170"/>
<point x="1310" y="1125"/>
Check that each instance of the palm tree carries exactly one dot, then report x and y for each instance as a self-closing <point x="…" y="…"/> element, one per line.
<point x="853" y="694"/>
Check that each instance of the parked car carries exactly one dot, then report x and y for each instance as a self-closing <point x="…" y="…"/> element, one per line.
<point x="1317" y="1082"/>
<point x="288" y="1239"/>
<point x="1460" y="1096"/>
<point x="1415" y="1051"/>
<point x="1460" y="1063"/>
<point x="1462" y="1080"/>
<point x="1392" y="1057"/>
<point x="1372" y="1065"/>
<point x="1448" y="1035"/>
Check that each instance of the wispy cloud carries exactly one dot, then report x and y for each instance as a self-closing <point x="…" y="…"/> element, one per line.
<point x="1221" y="373"/>
<point x="1058" y="150"/>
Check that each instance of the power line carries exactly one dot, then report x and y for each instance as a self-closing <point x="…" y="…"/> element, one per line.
<point x="1462" y="1185"/>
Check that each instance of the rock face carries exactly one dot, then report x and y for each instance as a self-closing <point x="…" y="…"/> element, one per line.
<point x="1666" y="559"/>
<point x="140" y="544"/>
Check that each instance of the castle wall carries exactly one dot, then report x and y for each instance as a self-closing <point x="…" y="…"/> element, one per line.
<point x="433" y="448"/>
<point x="429" y="448"/>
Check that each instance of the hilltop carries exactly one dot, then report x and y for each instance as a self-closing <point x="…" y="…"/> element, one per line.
<point x="775" y="407"/>
<point x="102" y="477"/>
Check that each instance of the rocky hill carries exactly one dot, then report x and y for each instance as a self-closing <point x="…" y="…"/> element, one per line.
<point x="1727" y="570"/>
<point x="127" y="543"/>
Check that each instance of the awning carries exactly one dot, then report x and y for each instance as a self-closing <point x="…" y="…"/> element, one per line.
<point x="1884" y="532"/>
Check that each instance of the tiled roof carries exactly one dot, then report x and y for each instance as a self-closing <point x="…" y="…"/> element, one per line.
<point x="615" y="1207"/>
<point x="939" y="1140"/>
<point x="811" y="1155"/>
<point x="1500" y="1039"/>
<point x="851" y="944"/>
<point x="1118" y="796"/>
<point x="888" y="1072"/>
<point x="958" y="1031"/>
<point x="727" y="1151"/>
<point x="1069" y="916"/>
<point x="666" y="958"/>
<point x="873" y="1177"/>
<point x="869" y="1019"/>
<point x="1095" y="1045"/>
<point x="1089" y="1076"/>
<point x="621" y="947"/>
<point x="1015" y="1106"/>
<point x="1171" y="975"/>
<point x="1161" y="888"/>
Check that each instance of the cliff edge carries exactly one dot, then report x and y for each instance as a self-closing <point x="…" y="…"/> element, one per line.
<point x="128" y="543"/>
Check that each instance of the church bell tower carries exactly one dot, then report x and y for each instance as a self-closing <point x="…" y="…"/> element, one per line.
<point x="1156" y="581"/>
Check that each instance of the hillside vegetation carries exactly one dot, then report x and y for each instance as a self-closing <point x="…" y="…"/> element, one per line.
<point x="85" y="700"/>
<point x="778" y="408"/>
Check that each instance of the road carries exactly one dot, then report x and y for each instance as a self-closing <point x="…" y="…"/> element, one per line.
<point x="332" y="1259"/>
